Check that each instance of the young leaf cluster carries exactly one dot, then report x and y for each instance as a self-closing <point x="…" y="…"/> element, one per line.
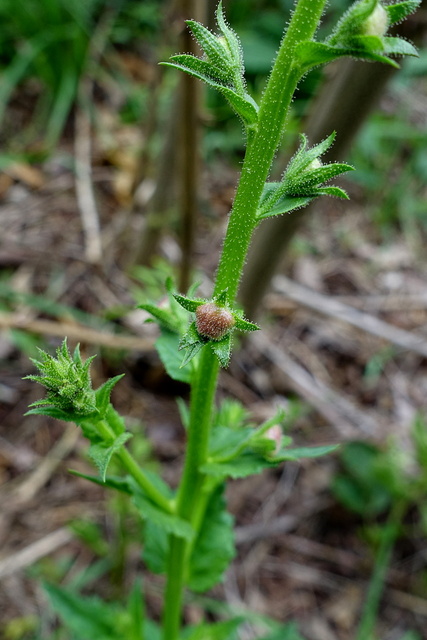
<point x="221" y="67"/>
<point x="302" y="181"/>
<point x="67" y="381"/>
<point x="70" y="396"/>
<point x="237" y="452"/>
<point x="361" y="33"/>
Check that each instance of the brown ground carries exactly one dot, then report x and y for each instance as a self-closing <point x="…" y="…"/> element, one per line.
<point x="301" y="555"/>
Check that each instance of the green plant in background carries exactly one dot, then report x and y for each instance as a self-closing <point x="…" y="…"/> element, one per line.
<point x="376" y="482"/>
<point x="188" y="533"/>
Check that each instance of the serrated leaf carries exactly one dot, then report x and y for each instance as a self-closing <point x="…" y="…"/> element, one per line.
<point x="247" y="464"/>
<point x="101" y="453"/>
<point x="214" y="547"/>
<point x="102" y="395"/>
<point x="210" y="44"/>
<point x="167" y="346"/>
<point x="216" y="631"/>
<point x="111" y="482"/>
<point x="399" y="11"/>
<point x="87" y="617"/>
<point x="204" y="68"/>
<point x="245" y="325"/>
<point x="164" y="317"/>
<point x="244" y="106"/>
<point x="156" y="547"/>
<point x="304" y="452"/>
<point x="286" y="204"/>
<point x="188" y="303"/>
<point x="166" y="521"/>
<point x="115" y="420"/>
<point x="191" y="352"/>
<point x="222" y="349"/>
<point x="53" y="412"/>
<point x="316" y="177"/>
<point x="225" y="443"/>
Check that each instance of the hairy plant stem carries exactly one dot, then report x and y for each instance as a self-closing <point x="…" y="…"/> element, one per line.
<point x="262" y="145"/>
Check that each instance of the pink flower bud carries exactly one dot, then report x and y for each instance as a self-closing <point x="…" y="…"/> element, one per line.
<point x="275" y="433"/>
<point x="212" y="321"/>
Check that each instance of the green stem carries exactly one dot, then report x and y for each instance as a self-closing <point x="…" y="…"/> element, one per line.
<point x="261" y="148"/>
<point x="135" y="471"/>
<point x="191" y="488"/>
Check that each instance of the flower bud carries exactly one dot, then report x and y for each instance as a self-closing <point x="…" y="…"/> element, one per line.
<point x="377" y="23"/>
<point x="212" y="321"/>
<point x="275" y="433"/>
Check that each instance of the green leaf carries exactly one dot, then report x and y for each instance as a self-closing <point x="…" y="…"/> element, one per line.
<point x="53" y="412"/>
<point x="156" y="547"/>
<point x="313" y="54"/>
<point x="304" y="452"/>
<point x="335" y="192"/>
<point x="286" y="204"/>
<point x="245" y="325"/>
<point x="111" y="482"/>
<point x="102" y="395"/>
<point x="188" y="303"/>
<point x="211" y="45"/>
<point x="243" y="105"/>
<point x="115" y="420"/>
<point x="216" y="631"/>
<point x="399" y="47"/>
<point x="167" y="346"/>
<point x="87" y="617"/>
<point x="232" y="40"/>
<point x="222" y="349"/>
<point x="225" y="442"/>
<point x="399" y="11"/>
<point x="135" y="609"/>
<point x="214" y="546"/>
<point x="170" y="523"/>
<point x="101" y="453"/>
<point x="191" y="352"/>
<point x="164" y="317"/>
<point x="247" y="464"/>
<point x="203" y="68"/>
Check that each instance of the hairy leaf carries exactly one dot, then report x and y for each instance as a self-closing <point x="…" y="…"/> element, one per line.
<point x="203" y="67"/>
<point x="101" y="453"/>
<point x="86" y="617"/>
<point x="247" y="464"/>
<point x="167" y="347"/>
<point x="111" y="482"/>
<point x="286" y="204"/>
<point x="399" y="11"/>
<point x="170" y="523"/>
<point x="102" y="395"/>
<point x="214" y="546"/>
